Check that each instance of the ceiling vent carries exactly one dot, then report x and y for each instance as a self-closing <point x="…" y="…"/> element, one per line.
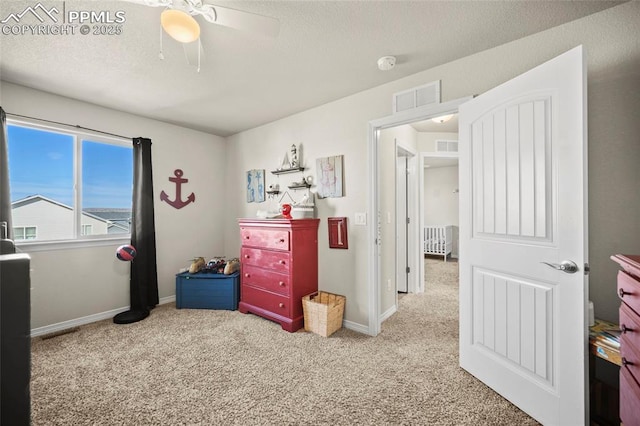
<point x="428" y="94"/>
<point x="446" y="146"/>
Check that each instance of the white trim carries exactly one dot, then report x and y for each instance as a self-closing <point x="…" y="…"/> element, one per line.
<point x="64" y="325"/>
<point x="66" y="129"/>
<point x="392" y="310"/>
<point x="30" y="246"/>
<point x="360" y="328"/>
<point x="374" y="127"/>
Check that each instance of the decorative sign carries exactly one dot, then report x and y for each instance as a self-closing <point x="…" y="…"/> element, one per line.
<point x="329" y="182"/>
<point x="255" y="186"/>
<point x="178" y="180"/>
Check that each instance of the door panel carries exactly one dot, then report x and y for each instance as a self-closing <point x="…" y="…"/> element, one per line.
<point x="511" y="165"/>
<point x="523" y="328"/>
<point x="511" y="313"/>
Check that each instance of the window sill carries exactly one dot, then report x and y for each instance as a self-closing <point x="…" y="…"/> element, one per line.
<point x="35" y="246"/>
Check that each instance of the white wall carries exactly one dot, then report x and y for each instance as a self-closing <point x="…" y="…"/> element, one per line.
<point x="74" y="283"/>
<point x="440" y="196"/>
<point x="613" y="59"/>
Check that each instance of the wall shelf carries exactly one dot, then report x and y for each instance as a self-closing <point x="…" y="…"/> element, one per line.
<point x="273" y="192"/>
<point x="299" y="186"/>
<point x="283" y="171"/>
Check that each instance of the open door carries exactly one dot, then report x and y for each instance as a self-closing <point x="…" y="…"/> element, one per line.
<point x="523" y="240"/>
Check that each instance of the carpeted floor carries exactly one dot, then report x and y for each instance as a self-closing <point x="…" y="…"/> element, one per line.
<point x="202" y="367"/>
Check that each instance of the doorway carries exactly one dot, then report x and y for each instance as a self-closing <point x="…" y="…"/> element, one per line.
<point x="439" y="211"/>
<point x="405" y="240"/>
<point x="380" y="300"/>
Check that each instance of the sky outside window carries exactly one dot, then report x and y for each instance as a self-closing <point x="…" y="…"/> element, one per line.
<point x="107" y="175"/>
<point x="40" y="162"/>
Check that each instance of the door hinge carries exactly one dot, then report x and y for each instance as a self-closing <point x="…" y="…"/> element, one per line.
<point x="408" y="220"/>
<point x="587" y="269"/>
<point x="408" y="269"/>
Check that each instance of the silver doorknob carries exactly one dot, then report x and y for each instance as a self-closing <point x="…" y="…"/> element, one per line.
<point x="565" y="266"/>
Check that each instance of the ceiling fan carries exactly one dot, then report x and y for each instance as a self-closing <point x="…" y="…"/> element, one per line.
<point x="177" y="21"/>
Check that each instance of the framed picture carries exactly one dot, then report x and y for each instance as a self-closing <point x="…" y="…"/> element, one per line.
<point x="330" y="174"/>
<point x="255" y="186"/>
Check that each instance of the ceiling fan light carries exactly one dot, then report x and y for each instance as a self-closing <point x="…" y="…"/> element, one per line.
<point x="442" y="118"/>
<point x="180" y="25"/>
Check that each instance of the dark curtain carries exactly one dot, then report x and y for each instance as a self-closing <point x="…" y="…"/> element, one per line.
<point x="143" y="285"/>
<point x="5" y="195"/>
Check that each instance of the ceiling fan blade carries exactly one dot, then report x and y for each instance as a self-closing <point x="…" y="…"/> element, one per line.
<point x="245" y="21"/>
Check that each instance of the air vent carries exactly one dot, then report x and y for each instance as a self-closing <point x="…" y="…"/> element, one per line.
<point x="446" y="146"/>
<point x="428" y="94"/>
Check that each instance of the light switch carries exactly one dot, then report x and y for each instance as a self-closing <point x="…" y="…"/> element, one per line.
<point x="361" y="219"/>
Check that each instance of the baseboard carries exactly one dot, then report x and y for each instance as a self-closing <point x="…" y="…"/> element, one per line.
<point x="355" y="327"/>
<point x="392" y="310"/>
<point x="64" y="325"/>
<point x="168" y="299"/>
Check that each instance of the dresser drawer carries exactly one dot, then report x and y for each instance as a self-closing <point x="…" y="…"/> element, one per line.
<point x="629" y="399"/>
<point x="630" y="326"/>
<point x="275" y="239"/>
<point x="629" y="290"/>
<point x="276" y="303"/>
<point x="265" y="279"/>
<point x="274" y="260"/>
<point x="630" y="356"/>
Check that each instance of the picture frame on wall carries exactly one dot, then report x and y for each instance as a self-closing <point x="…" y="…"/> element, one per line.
<point x="330" y="173"/>
<point x="255" y="186"/>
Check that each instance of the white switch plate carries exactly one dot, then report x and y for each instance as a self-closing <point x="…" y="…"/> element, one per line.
<point x="360" y="219"/>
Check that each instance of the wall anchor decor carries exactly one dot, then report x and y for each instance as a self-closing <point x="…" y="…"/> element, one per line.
<point x="178" y="180"/>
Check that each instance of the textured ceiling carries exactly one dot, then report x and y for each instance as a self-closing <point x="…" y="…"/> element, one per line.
<point x="325" y="51"/>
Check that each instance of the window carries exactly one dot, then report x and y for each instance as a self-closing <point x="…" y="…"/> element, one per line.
<point x="21" y="233"/>
<point x="71" y="185"/>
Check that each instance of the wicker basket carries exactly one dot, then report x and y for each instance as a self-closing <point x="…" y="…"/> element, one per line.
<point x="323" y="312"/>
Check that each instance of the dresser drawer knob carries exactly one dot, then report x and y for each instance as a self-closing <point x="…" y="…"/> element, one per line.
<point x="246" y="256"/>
<point x="281" y="283"/>
<point x="622" y="293"/>
<point x="246" y="237"/>
<point x="247" y="275"/>
<point x="281" y="262"/>
<point x="281" y="240"/>
<point x="626" y="361"/>
<point x="281" y="305"/>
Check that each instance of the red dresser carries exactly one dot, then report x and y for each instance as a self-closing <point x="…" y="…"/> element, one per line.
<point x="279" y="266"/>
<point x="629" y="293"/>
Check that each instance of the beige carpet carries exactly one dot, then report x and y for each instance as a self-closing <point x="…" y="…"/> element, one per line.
<point x="202" y="367"/>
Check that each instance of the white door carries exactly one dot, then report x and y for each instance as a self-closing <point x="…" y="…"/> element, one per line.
<point x="523" y="328"/>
